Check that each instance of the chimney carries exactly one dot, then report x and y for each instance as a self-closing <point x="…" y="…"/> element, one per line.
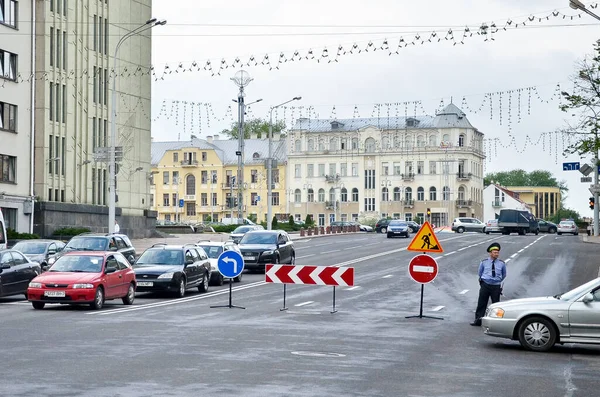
<point x="216" y="137"/>
<point x="209" y="139"/>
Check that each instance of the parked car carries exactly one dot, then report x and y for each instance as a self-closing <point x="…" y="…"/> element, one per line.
<point x="239" y="232"/>
<point x="413" y="226"/>
<point x="491" y="226"/>
<point x="361" y="227"/>
<point x="567" y="227"/>
<point x="547" y="227"/>
<point x="98" y="242"/>
<point x="398" y="228"/>
<point x="237" y="221"/>
<point x="539" y="323"/>
<point x="84" y="278"/>
<point x="213" y="249"/>
<point x="172" y="268"/>
<point x="260" y="247"/>
<point x="381" y="225"/>
<point x="517" y="221"/>
<point x="3" y="236"/>
<point x="16" y="271"/>
<point x="461" y="225"/>
<point x="39" y="251"/>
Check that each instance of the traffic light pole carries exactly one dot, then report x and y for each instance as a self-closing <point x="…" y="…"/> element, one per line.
<point x="596" y="206"/>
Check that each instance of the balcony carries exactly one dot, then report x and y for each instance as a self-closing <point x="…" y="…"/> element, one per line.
<point x="189" y="163"/>
<point x="497" y="203"/>
<point x="330" y="205"/>
<point x="408" y="203"/>
<point x="332" y="178"/>
<point x="463" y="176"/>
<point x="408" y="177"/>
<point x="464" y="203"/>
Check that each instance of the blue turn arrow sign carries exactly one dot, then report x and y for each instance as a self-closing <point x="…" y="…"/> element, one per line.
<point x="574" y="166"/>
<point x="230" y="264"/>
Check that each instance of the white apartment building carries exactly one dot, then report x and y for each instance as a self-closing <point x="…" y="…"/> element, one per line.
<point x="75" y="43"/>
<point x="496" y="198"/>
<point x="376" y="167"/>
<point x="16" y="102"/>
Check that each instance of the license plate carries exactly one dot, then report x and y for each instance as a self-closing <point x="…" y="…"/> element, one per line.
<point x="250" y="258"/>
<point x="55" y="294"/>
<point x="145" y="283"/>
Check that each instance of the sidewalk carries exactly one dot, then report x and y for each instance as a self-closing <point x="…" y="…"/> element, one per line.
<point x="591" y="239"/>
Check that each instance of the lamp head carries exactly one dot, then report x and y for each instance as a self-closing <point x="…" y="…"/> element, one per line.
<point x="150" y="21"/>
<point x="297" y="98"/>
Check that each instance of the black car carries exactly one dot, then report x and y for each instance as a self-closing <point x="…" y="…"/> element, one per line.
<point x="39" y="251"/>
<point x="547" y="227"/>
<point x="172" y="268"/>
<point x="16" y="271"/>
<point x="98" y="242"/>
<point x="260" y="247"/>
<point x="381" y="225"/>
<point x="413" y="226"/>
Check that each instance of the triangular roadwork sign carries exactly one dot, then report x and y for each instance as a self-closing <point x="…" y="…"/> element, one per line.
<point x="425" y="240"/>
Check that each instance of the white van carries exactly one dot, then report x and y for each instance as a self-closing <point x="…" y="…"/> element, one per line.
<point x="237" y="221"/>
<point x="3" y="236"/>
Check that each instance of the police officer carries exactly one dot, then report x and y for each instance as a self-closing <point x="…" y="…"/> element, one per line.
<point x="492" y="272"/>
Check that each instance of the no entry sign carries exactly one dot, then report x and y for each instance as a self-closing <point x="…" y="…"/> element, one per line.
<point x="423" y="269"/>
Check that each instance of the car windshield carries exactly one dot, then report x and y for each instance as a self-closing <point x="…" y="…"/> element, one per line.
<point x="577" y="292"/>
<point x="259" y="238"/>
<point x="87" y="244"/>
<point x="398" y="223"/>
<point x="566" y="223"/>
<point x="30" y="248"/>
<point x="242" y="229"/>
<point x="492" y="221"/>
<point x="213" y="251"/>
<point x="78" y="264"/>
<point x="160" y="256"/>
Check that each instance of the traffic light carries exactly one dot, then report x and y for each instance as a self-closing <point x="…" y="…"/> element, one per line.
<point x="428" y="211"/>
<point x="592" y="202"/>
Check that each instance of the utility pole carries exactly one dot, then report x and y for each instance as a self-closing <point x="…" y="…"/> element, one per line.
<point x="231" y="202"/>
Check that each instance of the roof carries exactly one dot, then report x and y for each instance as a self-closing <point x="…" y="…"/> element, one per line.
<point x="255" y="150"/>
<point x="449" y="117"/>
<point x="510" y="193"/>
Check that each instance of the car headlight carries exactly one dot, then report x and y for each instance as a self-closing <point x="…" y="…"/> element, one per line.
<point x="166" y="275"/>
<point x="496" y="312"/>
<point x="268" y="252"/>
<point x="35" y="285"/>
<point x="85" y="285"/>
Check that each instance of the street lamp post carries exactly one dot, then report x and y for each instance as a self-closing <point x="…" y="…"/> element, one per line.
<point x="307" y="187"/>
<point x="270" y="164"/>
<point x="112" y="196"/>
<point x="386" y="183"/>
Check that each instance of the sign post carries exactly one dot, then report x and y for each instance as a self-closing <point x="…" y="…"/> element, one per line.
<point x="423" y="269"/>
<point x="231" y="265"/>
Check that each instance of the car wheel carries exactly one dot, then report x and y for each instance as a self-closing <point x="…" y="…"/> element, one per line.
<point x="559" y="233"/>
<point x="537" y="334"/>
<point x="552" y="230"/>
<point x="38" y="305"/>
<point x="238" y="279"/>
<point x="219" y="280"/>
<point x="577" y="234"/>
<point x="384" y="230"/>
<point x="537" y="231"/>
<point x="460" y="229"/>
<point x="98" y="299"/>
<point x="293" y="260"/>
<point x="204" y="286"/>
<point x="180" y="288"/>
<point x="487" y="232"/>
<point x="130" y="297"/>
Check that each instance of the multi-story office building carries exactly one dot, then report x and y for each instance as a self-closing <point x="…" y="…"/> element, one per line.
<point x="75" y="43"/>
<point x="376" y="167"/>
<point x="16" y="103"/>
<point x="544" y="201"/>
<point x="194" y="181"/>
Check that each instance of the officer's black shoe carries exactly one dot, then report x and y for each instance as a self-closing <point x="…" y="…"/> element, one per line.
<point x="476" y="323"/>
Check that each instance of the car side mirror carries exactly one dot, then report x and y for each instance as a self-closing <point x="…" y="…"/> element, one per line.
<point x="189" y="262"/>
<point x="131" y="259"/>
<point x="52" y="252"/>
<point x="112" y="248"/>
<point x="2" y="267"/>
<point x="110" y="270"/>
<point x="587" y="298"/>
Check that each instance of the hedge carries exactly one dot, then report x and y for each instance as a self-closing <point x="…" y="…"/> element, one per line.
<point x="70" y="231"/>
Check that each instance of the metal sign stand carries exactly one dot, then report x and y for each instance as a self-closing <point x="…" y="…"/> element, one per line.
<point x="284" y="307"/>
<point x="230" y="306"/>
<point x="333" y="311"/>
<point x="421" y="308"/>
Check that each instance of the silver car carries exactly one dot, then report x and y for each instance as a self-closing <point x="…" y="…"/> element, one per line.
<point x="539" y="323"/>
<point x="567" y="227"/>
<point x="491" y="226"/>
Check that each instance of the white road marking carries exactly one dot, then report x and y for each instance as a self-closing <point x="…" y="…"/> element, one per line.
<point x="304" y="256"/>
<point x="437" y="308"/>
<point x="372" y="244"/>
<point x="327" y="252"/>
<point x="350" y="248"/>
<point x="521" y="250"/>
<point x="320" y="245"/>
<point x="388" y="276"/>
<point x="464" y="291"/>
<point x="513" y="255"/>
<point x="508" y="260"/>
<point x="353" y="288"/>
<point x="450" y="253"/>
<point x="462" y="249"/>
<point x="304" y="303"/>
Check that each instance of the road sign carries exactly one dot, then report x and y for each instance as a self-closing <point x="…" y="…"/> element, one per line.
<point x="423" y="269"/>
<point x="230" y="264"/>
<point x="594" y="189"/>
<point x="181" y="203"/>
<point x="425" y="240"/>
<point x="586" y="169"/>
<point x="574" y="166"/>
<point x="316" y="275"/>
<point x="586" y="179"/>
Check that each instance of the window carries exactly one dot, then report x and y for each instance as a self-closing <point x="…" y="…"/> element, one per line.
<point x="446" y="193"/>
<point x="354" y="169"/>
<point x="8" y="12"/>
<point x="297" y="196"/>
<point x="408" y="217"/>
<point x="344" y="195"/>
<point x="204" y="177"/>
<point x="432" y="140"/>
<point x="165" y="199"/>
<point x="58" y="49"/>
<point x="298" y="170"/>
<point x="298" y="145"/>
<point x="275" y="175"/>
<point x="343" y="144"/>
<point x="461" y="140"/>
<point x="58" y="102"/>
<point x="64" y="104"/>
<point x="321" y="219"/>
<point x="95" y="87"/>
<point x="321" y="195"/>
<point x="8" y="165"/>
<point x="385" y="194"/>
<point x="333" y="145"/>
<point x="432" y="194"/>
<point x="432" y="167"/>
<point x="175" y="157"/>
<point x="420" y="167"/>
<point x="321" y="145"/>
<point x="420" y="193"/>
<point x="254" y="199"/>
<point x="344" y="169"/>
<point x="311" y="145"/>
<point x="397" y="169"/>
<point x="370" y="145"/>
<point x="275" y="198"/>
<point x="355" y="195"/>
<point x="354" y="143"/>
<point x="420" y="141"/>
<point x="310" y="170"/>
<point x="65" y="48"/>
<point x="332" y="169"/>
<point x="253" y="176"/>
<point x="95" y="43"/>
<point x="408" y="194"/>
<point x="369" y="204"/>
<point x="105" y="86"/>
<point x="213" y="177"/>
<point x="204" y="156"/>
<point x="397" y="194"/>
<point x="446" y="139"/>
<point x="369" y="179"/>
<point x="190" y="185"/>
<point x="310" y="196"/>
<point x="385" y="168"/>
<point x="332" y="194"/>
<point x="51" y="46"/>
<point x="165" y="177"/>
<point x="321" y="170"/>
<point x="385" y="143"/>
<point x="213" y="199"/>
<point x="8" y="117"/>
<point x="190" y="209"/>
<point x="176" y="177"/>
<point x="408" y="168"/>
<point x="204" y="199"/>
<point x="175" y="201"/>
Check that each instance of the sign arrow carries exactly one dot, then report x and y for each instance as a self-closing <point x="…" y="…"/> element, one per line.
<point x="231" y="260"/>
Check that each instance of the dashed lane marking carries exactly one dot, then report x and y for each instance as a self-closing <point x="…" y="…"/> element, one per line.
<point x="327" y="252"/>
<point x="464" y="291"/>
<point x="353" y="288"/>
<point x="305" y="256"/>
<point x="304" y="303"/>
<point x="388" y="276"/>
<point x="437" y="308"/>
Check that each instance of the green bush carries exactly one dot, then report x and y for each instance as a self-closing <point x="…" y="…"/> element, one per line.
<point x="291" y="221"/>
<point x="12" y="235"/>
<point x="309" y="221"/>
<point x="70" y="231"/>
<point x="274" y="223"/>
<point x="225" y="228"/>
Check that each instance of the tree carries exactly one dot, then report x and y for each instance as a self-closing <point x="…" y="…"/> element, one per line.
<point x="291" y="221"/>
<point x="565" y="213"/>
<point x="583" y="103"/>
<point x="309" y="220"/>
<point x="258" y="127"/>
<point x="524" y="178"/>
<point x="274" y="222"/>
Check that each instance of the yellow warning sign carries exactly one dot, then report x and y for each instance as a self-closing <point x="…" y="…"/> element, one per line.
<point x="425" y="240"/>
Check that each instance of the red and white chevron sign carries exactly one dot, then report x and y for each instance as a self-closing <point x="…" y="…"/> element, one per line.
<point x="319" y="275"/>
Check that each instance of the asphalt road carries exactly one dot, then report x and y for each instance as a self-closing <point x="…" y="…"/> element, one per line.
<point x="162" y="346"/>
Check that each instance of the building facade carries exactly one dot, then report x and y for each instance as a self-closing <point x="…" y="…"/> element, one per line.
<point x="496" y="198"/>
<point x="75" y="42"/>
<point x="195" y="181"/>
<point x="16" y="104"/>
<point x="544" y="201"/>
<point x="401" y="167"/>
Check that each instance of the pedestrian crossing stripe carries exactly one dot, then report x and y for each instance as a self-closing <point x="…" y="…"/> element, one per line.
<point x="425" y="240"/>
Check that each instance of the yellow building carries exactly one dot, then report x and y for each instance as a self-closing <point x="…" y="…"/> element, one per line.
<point x="543" y="200"/>
<point x="201" y="175"/>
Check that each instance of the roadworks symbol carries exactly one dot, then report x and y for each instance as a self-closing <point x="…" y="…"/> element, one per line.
<point x="425" y="240"/>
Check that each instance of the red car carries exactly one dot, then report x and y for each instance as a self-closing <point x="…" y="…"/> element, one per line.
<point x="84" y="278"/>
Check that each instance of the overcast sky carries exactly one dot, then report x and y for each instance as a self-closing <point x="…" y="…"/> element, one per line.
<point x="540" y="54"/>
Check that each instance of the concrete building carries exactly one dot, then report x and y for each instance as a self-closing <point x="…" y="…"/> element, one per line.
<point x="75" y="41"/>
<point x="377" y="167"/>
<point x="544" y="201"/>
<point x="16" y="103"/>
<point x="496" y="198"/>
<point x="200" y="172"/>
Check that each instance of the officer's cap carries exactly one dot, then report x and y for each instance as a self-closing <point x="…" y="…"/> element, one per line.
<point x="493" y="246"/>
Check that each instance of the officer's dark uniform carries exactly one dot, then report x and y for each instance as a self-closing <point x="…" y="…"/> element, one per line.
<point x="491" y="274"/>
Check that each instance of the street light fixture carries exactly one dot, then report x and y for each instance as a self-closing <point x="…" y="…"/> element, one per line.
<point x="112" y="196"/>
<point x="578" y="5"/>
<point x="270" y="164"/>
